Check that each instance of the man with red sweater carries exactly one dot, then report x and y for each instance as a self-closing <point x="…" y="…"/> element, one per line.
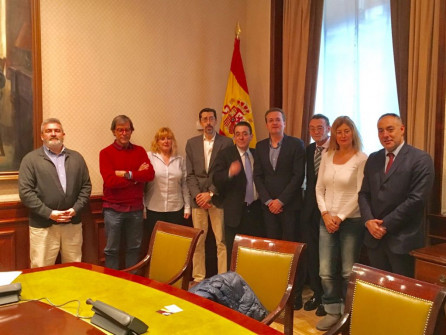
<point x="125" y="168"/>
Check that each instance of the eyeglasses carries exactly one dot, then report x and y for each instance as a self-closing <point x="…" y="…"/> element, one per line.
<point x="206" y="119"/>
<point x="319" y="129"/>
<point x="123" y="130"/>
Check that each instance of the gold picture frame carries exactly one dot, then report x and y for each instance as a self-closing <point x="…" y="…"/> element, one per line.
<point x="20" y="83"/>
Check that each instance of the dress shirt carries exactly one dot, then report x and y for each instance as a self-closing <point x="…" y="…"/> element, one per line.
<point x="274" y="153"/>
<point x="208" y="146"/>
<point x="59" y="162"/>
<point x="168" y="191"/>
<point x="394" y="152"/>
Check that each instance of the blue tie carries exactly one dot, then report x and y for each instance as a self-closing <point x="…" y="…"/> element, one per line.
<point x="249" y="196"/>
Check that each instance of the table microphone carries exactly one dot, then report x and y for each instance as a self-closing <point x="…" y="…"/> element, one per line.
<point x="10" y="293"/>
<point x="114" y="320"/>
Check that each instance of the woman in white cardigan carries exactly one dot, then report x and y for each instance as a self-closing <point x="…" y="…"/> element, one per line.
<point x="341" y="230"/>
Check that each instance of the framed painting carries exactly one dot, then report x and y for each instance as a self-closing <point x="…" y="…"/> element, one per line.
<point x="20" y="83"/>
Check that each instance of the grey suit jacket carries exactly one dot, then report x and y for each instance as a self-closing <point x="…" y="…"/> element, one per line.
<point x="397" y="197"/>
<point x="198" y="180"/>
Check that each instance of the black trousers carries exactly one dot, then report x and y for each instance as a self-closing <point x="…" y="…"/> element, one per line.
<point x="251" y="223"/>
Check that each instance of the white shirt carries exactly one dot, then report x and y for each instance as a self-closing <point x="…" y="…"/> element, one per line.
<point x="208" y="146"/>
<point x="168" y="191"/>
<point x="338" y="185"/>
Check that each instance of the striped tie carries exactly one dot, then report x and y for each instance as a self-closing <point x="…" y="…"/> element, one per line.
<point x="317" y="159"/>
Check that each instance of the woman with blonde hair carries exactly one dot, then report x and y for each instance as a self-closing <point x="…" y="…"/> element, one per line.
<point x="341" y="229"/>
<point x="166" y="197"/>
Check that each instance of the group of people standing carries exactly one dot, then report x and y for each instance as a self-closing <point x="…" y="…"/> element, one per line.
<point x="348" y="199"/>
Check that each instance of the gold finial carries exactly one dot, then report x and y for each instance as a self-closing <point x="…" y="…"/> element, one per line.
<point x="237" y="31"/>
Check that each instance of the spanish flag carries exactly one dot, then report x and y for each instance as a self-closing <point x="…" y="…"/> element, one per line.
<point x="237" y="104"/>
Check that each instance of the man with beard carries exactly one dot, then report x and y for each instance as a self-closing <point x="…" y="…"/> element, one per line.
<point x="201" y="152"/>
<point x="55" y="185"/>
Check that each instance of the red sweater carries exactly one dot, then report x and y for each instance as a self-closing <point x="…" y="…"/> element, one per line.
<point x="121" y="194"/>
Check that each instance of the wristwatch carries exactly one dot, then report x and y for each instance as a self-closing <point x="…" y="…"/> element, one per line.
<point x="127" y="175"/>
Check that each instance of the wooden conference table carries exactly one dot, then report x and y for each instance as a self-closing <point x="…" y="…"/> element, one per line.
<point x="137" y="296"/>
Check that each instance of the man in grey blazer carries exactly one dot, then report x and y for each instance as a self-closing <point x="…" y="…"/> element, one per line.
<point x="397" y="182"/>
<point x="201" y="152"/>
<point x="55" y="186"/>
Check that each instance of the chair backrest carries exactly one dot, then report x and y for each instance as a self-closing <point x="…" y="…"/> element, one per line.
<point x="171" y="249"/>
<point x="268" y="266"/>
<point x="381" y="302"/>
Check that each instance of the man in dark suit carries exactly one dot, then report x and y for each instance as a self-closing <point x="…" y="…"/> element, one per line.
<point x="201" y="152"/>
<point x="234" y="180"/>
<point x="397" y="182"/>
<point x="279" y="169"/>
<point x="319" y="130"/>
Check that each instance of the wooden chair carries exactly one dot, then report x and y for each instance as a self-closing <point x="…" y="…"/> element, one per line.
<point x="269" y="267"/>
<point x="169" y="259"/>
<point x="382" y="303"/>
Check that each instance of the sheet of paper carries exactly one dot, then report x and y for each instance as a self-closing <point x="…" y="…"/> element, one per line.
<point x="8" y="276"/>
<point x="173" y="308"/>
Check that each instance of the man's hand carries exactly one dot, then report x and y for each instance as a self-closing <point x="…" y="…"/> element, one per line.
<point x="375" y="229"/>
<point x="61" y="216"/>
<point x="275" y="206"/>
<point x="203" y="200"/>
<point x="235" y="168"/>
<point x="144" y="166"/>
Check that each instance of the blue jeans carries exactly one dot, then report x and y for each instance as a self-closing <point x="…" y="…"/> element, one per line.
<point x="337" y="254"/>
<point x="116" y="223"/>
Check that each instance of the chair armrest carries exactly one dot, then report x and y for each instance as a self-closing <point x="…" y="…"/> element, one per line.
<point x="341" y="327"/>
<point x="138" y="265"/>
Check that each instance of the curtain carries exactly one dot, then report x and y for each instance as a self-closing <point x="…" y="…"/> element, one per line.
<point x="356" y="67"/>
<point x="400" y="15"/>
<point x="296" y="23"/>
<point x="423" y="68"/>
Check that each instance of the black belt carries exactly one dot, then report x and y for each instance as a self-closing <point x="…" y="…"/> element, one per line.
<point x="252" y="203"/>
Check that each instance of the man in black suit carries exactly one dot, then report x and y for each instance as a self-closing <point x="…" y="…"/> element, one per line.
<point x="234" y="180"/>
<point x="319" y="130"/>
<point x="397" y="182"/>
<point x="279" y="169"/>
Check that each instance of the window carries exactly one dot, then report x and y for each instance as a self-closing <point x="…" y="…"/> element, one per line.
<point x="356" y="67"/>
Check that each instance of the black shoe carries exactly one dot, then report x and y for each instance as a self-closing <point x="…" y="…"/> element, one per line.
<point x="298" y="303"/>
<point x="320" y="311"/>
<point x="313" y="303"/>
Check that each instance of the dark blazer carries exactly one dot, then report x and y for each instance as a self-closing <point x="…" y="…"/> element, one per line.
<point x="231" y="189"/>
<point x="198" y="180"/>
<point x="284" y="183"/>
<point x="397" y="197"/>
<point x="310" y="203"/>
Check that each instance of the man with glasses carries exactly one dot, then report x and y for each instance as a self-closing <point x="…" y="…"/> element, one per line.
<point x="55" y="185"/>
<point x="125" y="168"/>
<point x="201" y="152"/>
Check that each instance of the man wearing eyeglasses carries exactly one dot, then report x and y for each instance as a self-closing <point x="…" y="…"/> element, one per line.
<point x="55" y="186"/>
<point x="201" y="152"/>
<point x="125" y="168"/>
